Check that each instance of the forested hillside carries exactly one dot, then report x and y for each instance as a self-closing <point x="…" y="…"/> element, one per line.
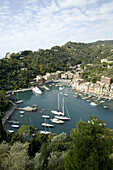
<point x="22" y="67"/>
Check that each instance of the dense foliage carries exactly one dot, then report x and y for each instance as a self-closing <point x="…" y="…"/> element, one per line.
<point x="22" y="67"/>
<point x="89" y="146"/>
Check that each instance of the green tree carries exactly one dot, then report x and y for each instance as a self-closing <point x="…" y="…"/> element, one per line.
<point x="42" y="69"/>
<point x="92" y="146"/>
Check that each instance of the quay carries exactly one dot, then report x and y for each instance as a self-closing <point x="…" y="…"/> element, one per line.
<point x="8" y="113"/>
<point x="45" y="87"/>
<point x="22" y="90"/>
<point x="66" y="82"/>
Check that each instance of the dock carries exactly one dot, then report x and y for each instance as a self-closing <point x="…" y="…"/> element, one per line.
<point x="22" y="90"/>
<point x="45" y="87"/>
<point x="8" y="113"/>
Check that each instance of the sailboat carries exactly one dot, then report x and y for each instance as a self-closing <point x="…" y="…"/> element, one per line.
<point x="57" y="112"/>
<point x="65" y="94"/>
<point x="45" y="131"/>
<point x="18" y="101"/>
<point x="55" y="120"/>
<point x="63" y="117"/>
<point x="47" y="124"/>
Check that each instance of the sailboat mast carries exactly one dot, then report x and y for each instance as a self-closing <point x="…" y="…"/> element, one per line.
<point x="58" y="102"/>
<point x="63" y="105"/>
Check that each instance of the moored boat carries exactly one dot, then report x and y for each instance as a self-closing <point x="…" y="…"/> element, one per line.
<point x="15" y="126"/>
<point x="55" y="120"/>
<point x="93" y="104"/>
<point x="45" y="116"/>
<point x="36" y="90"/>
<point x="47" y="125"/>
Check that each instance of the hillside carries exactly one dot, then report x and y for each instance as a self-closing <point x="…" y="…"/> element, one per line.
<point x="22" y="67"/>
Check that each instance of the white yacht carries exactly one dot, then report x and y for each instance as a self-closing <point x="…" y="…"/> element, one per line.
<point x="44" y="132"/>
<point x="11" y="131"/>
<point x="57" y="112"/>
<point x="93" y="104"/>
<point x="47" y="125"/>
<point x="21" y="112"/>
<point x="19" y="101"/>
<point x="55" y="120"/>
<point x="36" y="90"/>
<point x="62" y="117"/>
<point x="45" y="116"/>
<point x="15" y="126"/>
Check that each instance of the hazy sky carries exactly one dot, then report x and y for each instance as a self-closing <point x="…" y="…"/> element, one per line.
<point x="34" y="24"/>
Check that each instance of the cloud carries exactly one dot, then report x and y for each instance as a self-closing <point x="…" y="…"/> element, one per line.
<point x="34" y="24"/>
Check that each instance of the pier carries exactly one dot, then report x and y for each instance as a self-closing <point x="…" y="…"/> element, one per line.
<point x="8" y="113"/>
<point x="22" y="90"/>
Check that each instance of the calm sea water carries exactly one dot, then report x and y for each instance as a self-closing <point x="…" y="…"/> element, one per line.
<point x="78" y="109"/>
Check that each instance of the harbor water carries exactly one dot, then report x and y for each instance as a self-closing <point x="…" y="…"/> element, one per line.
<point x="78" y="109"/>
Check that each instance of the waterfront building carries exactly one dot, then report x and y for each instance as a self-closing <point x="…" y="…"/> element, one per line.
<point x="106" y="80"/>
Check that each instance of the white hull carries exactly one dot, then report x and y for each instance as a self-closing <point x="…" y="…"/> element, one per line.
<point x="44" y="132"/>
<point x="15" y="126"/>
<point x="62" y="117"/>
<point x="93" y="104"/>
<point x="45" y="116"/>
<point x="47" y="125"/>
<point x="54" y="120"/>
<point x="36" y="90"/>
<point x="57" y="112"/>
<point x="22" y="112"/>
<point x="19" y="101"/>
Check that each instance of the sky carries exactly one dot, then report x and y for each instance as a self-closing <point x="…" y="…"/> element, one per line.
<point x="42" y="24"/>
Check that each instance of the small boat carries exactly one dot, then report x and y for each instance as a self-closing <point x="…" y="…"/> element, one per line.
<point x="15" y="126"/>
<point x="62" y="117"/>
<point x="61" y="88"/>
<point x="36" y="90"/>
<point x="65" y="94"/>
<point x="21" y="112"/>
<point x="21" y="115"/>
<point x="19" y="101"/>
<point x="47" y="125"/>
<point x="45" y="116"/>
<point x="102" y="101"/>
<point x="12" y="121"/>
<point x="44" y="132"/>
<point x="55" y="120"/>
<point x="93" y="104"/>
<point x="11" y="131"/>
<point x="105" y="107"/>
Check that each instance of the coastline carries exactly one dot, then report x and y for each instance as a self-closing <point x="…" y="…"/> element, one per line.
<point x="9" y="112"/>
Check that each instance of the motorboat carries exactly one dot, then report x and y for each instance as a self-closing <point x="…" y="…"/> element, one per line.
<point x="11" y="131"/>
<point x="47" y="125"/>
<point x="21" y="112"/>
<point x="36" y="90"/>
<point x="55" y="120"/>
<point x="44" y="132"/>
<point x="19" y="101"/>
<point x="105" y="107"/>
<point x="62" y="117"/>
<point x="93" y="104"/>
<point x="45" y="116"/>
<point x="15" y="126"/>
